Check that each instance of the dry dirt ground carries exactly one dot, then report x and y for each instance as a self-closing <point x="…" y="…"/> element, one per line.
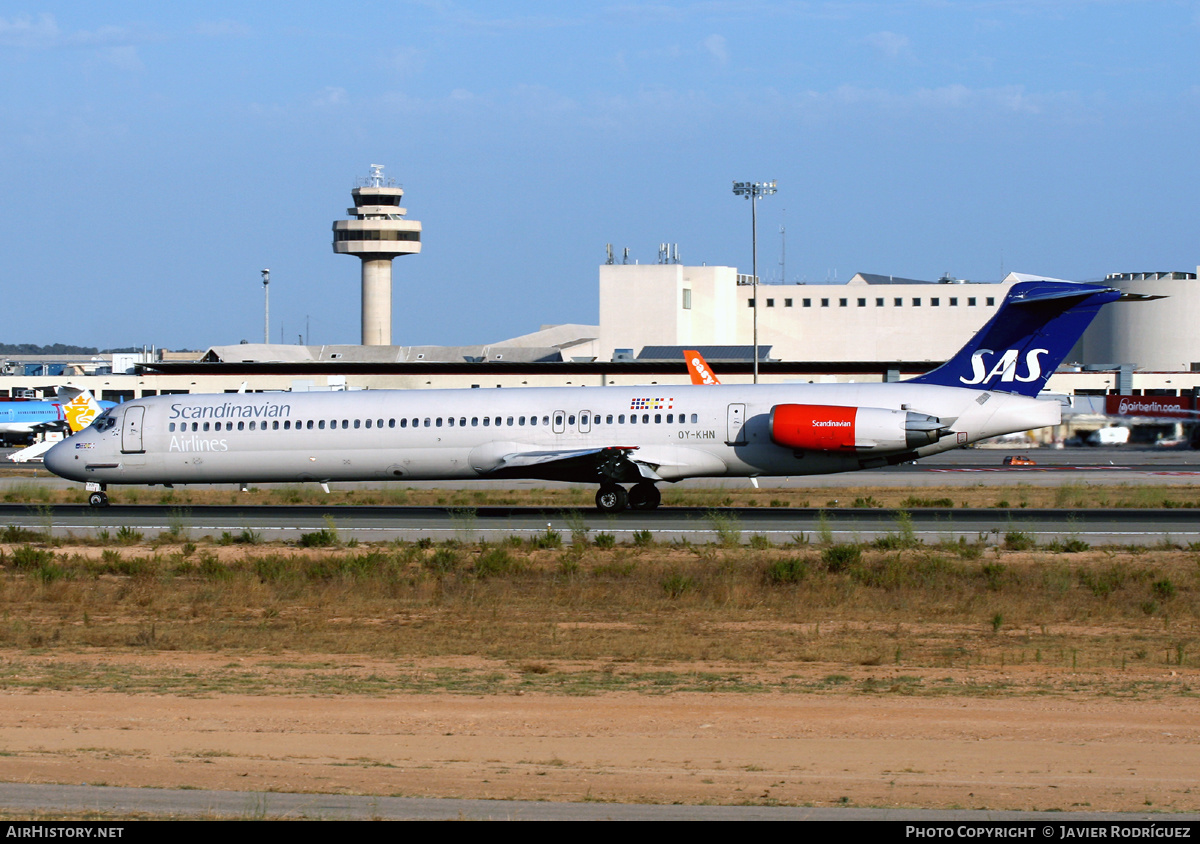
<point x="1061" y="751"/>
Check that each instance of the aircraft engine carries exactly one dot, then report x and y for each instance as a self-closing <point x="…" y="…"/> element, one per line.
<point x="815" y="427"/>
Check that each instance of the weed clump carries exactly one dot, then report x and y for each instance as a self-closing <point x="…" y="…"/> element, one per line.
<point x="839" y="558"/>
<point x="1016" y="540"/>
<point x="496" y="562"/>
<point x="789" y="570"/>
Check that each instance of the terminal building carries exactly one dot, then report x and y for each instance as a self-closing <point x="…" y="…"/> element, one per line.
<point x="876" y="317"/>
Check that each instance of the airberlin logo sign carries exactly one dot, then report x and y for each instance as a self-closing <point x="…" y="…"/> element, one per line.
<point x="1005" y="366"/>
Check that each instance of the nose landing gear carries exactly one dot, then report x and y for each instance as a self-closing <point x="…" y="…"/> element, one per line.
<point x="97" y="496"/>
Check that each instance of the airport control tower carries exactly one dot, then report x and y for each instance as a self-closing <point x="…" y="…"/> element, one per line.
<point x="377" y="233"/>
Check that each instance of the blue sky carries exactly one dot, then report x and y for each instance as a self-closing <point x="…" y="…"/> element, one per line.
<point x="157" y="156"/>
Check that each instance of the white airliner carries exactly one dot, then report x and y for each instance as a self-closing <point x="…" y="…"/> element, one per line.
<point x="609" y="436"/>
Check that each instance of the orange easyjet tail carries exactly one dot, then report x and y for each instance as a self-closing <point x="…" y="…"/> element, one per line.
<point x="698" y="368"/>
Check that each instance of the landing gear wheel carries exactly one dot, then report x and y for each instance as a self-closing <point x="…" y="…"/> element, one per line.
<point x="611" y="499"/>
<point x="644" y="496"/>
<point x="98" y="499"/>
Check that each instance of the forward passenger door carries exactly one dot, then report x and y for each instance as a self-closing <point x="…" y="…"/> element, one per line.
<point x="131" y="430"/>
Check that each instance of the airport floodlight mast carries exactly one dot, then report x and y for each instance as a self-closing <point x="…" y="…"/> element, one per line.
<point x="266" y="277"/>
<point x="376" y="233"/>
<point x="754" y="191"/>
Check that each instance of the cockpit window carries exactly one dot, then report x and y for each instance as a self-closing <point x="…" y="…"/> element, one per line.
<point x="104" y="421"/>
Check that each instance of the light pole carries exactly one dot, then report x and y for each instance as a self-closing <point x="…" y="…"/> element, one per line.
<point x="266" y="274"/>
<point x="753" y="191"/>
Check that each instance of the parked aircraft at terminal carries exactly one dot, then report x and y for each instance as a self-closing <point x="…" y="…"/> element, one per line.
<point x="610" y="436"/>
<point x="72" y="410"/>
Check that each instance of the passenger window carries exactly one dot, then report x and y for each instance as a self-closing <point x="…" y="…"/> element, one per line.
<point x="462" y="421"/>
<point x="378" y="423"/>
<point x="171" y="427"/>
<point x="450" y="421"/>
<point x="558" y="420"/>
<point x="320" y="424"/>
<point x="633" y="419"/>
<point x="241" y="426"/>
<point x="427" y="422"/>
<point x="251" y="426"/>
<point x="693" y="417"/>
<point x="474" y="421"/>
<point x="510" y="421"/>
<point x="571" y="419"/>
<point x="645" y="418"/>
<point x="357" y="423"/>
<point x="345" y="424"/>
<point x="658" y="419"/>
<point x="545" y="420"/>
<point x="521" y="421"/>
<point x="532" y="420"/>
<point x="275" y="425"/>
<point x="438" y="422"/>
<point x="670" y="418"/>
<point x="309" y="424"/>
<point x="487" y="420"/>
<point x="608" y="419"/>
<point x="368" y="424"/>
<point x="287" y="424"/>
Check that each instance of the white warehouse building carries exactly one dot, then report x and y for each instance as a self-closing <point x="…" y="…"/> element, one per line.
<point x="874" y="317"/>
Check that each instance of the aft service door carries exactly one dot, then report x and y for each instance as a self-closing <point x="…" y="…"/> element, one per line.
<point x="736" y="424"/>
<point x="131" y="430"/>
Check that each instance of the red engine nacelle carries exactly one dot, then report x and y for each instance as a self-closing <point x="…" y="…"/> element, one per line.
<point x="815" y="427"/>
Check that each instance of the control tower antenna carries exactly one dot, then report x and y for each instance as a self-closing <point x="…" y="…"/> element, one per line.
<point x="377" y="232"/>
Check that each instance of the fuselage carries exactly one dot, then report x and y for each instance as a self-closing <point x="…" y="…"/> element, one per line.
<point x="27" y="417"/>
<point x="671" y="432"/>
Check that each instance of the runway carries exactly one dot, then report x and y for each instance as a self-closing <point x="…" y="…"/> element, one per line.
<point x="959" y="468"/>
<point x="1143" y="465"/>
<point x="678" y="524"/>
<point x="238" y="805"/>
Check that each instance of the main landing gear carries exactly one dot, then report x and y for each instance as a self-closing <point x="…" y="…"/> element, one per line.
<point x="612" y="498"/>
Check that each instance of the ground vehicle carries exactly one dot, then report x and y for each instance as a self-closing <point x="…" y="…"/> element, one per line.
<point x="1112" y="435"/>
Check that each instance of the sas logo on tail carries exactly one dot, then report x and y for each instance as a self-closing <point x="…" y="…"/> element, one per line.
<point x="1005" y="367"/>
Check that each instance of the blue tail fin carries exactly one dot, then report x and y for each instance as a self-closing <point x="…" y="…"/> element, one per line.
<point x="1021" y="346"/>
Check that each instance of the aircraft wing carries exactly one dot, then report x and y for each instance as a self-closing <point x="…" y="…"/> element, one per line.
<point x="608" y="463"/>
<point x="581" y="464"/>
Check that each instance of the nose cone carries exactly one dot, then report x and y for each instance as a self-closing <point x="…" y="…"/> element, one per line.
<point x="62" y="461"/>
